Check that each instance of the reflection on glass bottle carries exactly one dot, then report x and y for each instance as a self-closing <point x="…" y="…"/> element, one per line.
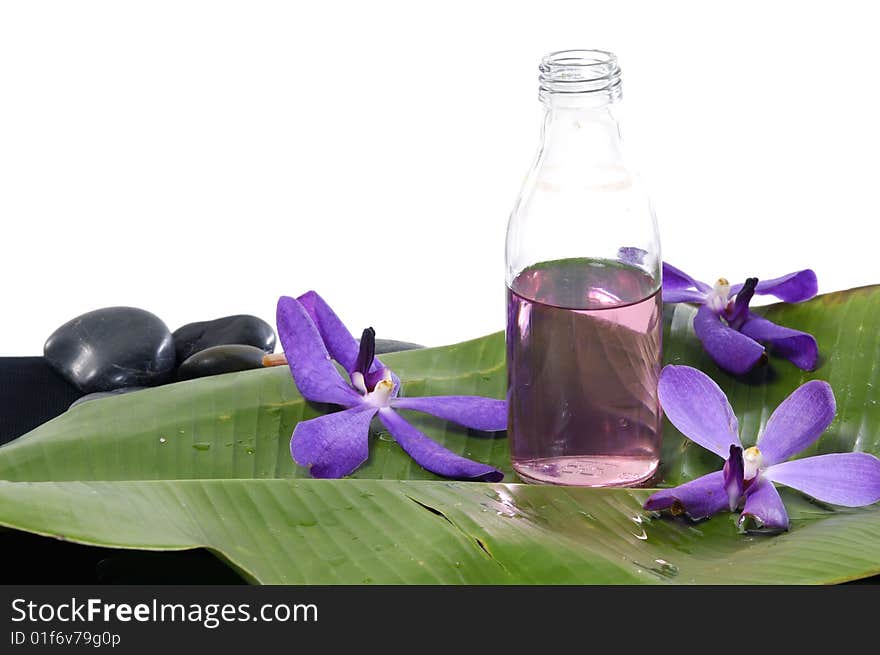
<point x="584" y="318"/>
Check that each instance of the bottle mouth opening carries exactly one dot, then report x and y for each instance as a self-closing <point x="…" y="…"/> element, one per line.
<point x="579" y="72"/>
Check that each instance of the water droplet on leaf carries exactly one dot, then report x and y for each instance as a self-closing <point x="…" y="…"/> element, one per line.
<point x="664" y="568"/>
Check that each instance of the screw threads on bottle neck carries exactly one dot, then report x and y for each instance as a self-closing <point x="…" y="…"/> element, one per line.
<point x="579" y="78"/>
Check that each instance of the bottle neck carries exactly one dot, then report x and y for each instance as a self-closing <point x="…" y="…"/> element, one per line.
<point x="582" y="136"/>
<point x="584" y="125"/>
<point x="579" y="79"/>
<point x="579" y="89"/>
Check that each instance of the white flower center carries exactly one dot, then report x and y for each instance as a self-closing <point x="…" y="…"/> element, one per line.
<point x="381" y="393"/>
<point x="719" y="296"/>
<point x="357" y="381"/>
<point x="753" y="462"/>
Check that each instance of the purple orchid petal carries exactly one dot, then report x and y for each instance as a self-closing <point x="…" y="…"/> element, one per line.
<point x="734" y="470"/>
<point x="674" y="278"/>
<point x="731" y="350"/>
<point x="698" y="408"/>
<point x="474" y="412"/>
<point x="764" y="505"/>
<point x="315" y="376"/>
<point x="849" y="479"/>
<point x="699" y="499"/>
<point x="683" y="295"/>
<point x="797" y="422"/>
<point x="794" y="287"/>
<point x="798" y="347"/>
<point x="333" y="445"/>
<point x="432" y="456"/>
<point x="340" y="343"/>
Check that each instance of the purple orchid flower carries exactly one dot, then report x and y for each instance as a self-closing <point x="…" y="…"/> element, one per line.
<point x="700" y="410"/>
<point x="730" y="332"/>
<point x="336" y="444"/>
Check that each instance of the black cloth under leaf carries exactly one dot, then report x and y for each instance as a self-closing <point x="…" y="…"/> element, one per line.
<point x="31" y="393"/>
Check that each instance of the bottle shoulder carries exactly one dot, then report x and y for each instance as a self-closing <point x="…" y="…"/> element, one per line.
<point x="581" y="191"/>
<point x="596" y="210"/>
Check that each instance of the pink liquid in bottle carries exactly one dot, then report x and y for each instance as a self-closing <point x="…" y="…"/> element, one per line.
<point x="583" y="358"/>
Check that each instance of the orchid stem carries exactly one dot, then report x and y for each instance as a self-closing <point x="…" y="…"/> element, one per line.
<point x="275" y="359"/>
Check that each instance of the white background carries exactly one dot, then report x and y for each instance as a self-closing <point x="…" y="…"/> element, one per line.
<point x="199" y="159"/>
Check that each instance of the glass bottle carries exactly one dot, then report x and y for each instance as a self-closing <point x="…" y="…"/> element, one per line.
<point x="584" y="314"/>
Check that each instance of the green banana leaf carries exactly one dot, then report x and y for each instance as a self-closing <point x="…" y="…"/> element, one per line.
<point x="206" y="463"/>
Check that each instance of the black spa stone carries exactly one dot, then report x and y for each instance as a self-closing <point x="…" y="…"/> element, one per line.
<point x="384" y="346"/>
<point x="112" y="348"/>
<point x="241" y="329"/>
<point x="220" y="359"/>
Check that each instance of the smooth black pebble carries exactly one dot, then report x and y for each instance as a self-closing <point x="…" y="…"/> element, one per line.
<point x="112" y="348"/>
<point x="220" y="359"/>
<point x="384" y="346"/>
<point x="241" y="329"/>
